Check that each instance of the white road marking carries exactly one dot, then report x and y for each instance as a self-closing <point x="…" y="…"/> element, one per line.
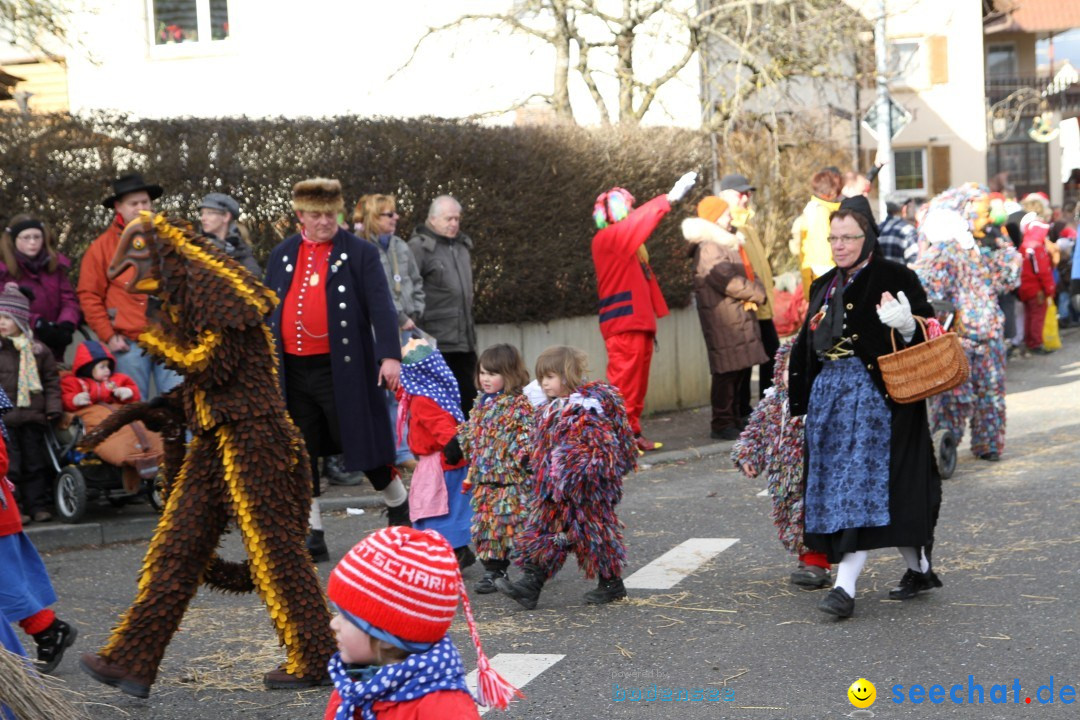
<point x="517" y="668"/>
<point x="666" y="571"/>
<point x="764" y="493"/>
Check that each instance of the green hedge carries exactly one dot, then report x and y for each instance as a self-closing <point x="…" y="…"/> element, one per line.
<point x="527" y="192"/>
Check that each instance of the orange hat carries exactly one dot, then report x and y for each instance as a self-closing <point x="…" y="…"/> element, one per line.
<point x="711" y="208"/>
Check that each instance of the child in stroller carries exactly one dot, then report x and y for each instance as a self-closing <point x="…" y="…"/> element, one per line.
<point x="119" y="469"/>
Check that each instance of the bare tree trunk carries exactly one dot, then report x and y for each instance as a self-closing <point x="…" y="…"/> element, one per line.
<point x="560" y="96"/>
<point x="624" y="70"/>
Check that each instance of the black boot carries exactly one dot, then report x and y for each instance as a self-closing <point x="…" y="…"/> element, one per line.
<point x="493" y="569"/>
<point x="525" y="591"/>
<point x="913" y="583"/>
<point x="607" y="591"/>
<point x="465" y="556"/>
<point x="316" y="546"/>
<point x="398" y="515"/>
<point x="51" y="644"/>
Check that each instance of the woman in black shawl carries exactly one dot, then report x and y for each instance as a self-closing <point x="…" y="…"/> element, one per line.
<point x="870" y="475"/>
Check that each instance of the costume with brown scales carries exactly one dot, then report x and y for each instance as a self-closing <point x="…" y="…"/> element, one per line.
<point x="245" y="464"/>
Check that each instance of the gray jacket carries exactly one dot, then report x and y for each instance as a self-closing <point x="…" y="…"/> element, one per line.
<point x="403" y="277"/>
<point x="234" y="246"/>
<point x="446" y="269"/>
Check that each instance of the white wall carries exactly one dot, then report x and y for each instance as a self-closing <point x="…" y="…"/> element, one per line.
<point x="328" y="57"/>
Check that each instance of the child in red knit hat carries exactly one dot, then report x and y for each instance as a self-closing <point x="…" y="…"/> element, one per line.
<point x="396" y="593"/>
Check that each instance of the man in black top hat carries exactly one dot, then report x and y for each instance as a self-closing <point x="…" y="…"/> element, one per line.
<point x="115" y="315"/>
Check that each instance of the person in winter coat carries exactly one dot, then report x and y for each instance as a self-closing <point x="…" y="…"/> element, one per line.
<point x="442" y="254"/>
<point x="397" y="593"/>
<point x="727" y="295"/>
<point x="27" y="257"/>
<point x="773" y="443"/>
<point x="431" y="407"/>
<point x="871" y="481"/>
<point x="970" y="273"/>
<point x="630" y="297"/>
<point x="337" y="341"/>
<point x="810" y="230"/>
<point x="93" y="380"/>
<point x="1036" y="281"/>
<point x="377" y="217"/>
<point x="218" y="215"/>
<point x="28" y="374"/>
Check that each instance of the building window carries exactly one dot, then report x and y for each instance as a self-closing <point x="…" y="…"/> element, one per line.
<point x="1001" y="61"/>
<point x="910" y="166"/>
<point x="906" y="65"/>
<point x="189" y="21"/>
<point x="1026" y="163"/>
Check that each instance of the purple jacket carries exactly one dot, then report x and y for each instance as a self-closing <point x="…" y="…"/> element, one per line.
<point x="54" y="300"/>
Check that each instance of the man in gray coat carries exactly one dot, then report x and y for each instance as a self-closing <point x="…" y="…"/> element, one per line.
<point x="442" y="252"/>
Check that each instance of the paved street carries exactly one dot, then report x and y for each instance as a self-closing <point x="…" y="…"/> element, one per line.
<point x="1008" y="552"/>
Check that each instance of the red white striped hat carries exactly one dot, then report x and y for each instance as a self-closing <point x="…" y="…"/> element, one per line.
<point x="406" y="582"/>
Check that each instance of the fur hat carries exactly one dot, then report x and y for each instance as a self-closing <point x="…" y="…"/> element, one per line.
<point x="318" y="195"/>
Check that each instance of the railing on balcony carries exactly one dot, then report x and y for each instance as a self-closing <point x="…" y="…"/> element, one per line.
<point x="1060" y="93"/>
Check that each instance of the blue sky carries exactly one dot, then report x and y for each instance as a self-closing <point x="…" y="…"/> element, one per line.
<point x="1066" y="45"/>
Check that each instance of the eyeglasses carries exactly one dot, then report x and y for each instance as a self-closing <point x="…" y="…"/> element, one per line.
<point x="844" y="239"/>
<point x="389" y="214"/>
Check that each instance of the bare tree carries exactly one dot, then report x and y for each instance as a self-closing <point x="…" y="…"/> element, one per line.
<point x="748" y="48"/>
<point x="34" y="25"/>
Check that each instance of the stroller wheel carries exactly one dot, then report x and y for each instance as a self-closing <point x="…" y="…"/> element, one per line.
<point x="945" y="447"/>
<point x="70" y="493"/>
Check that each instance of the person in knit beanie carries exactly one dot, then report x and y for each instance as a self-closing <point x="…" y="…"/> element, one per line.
<point x="28" y="375"/>
<point x="396" y="593"/>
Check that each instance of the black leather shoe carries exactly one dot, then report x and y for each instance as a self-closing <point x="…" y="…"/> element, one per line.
<point x="837" y="603"/>
<point x="991" y="456"/>
<point x="913" y="583"/>
<point x="729" y="433"/>
<point x="316" y="546"/>
<point x="486" y="584"/>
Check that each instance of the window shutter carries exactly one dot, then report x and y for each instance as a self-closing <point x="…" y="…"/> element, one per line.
<point x="939" y="59"/>
<point x="940" y="172"/>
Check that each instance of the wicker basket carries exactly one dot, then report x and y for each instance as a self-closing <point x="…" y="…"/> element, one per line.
<point x="926" y="369"/>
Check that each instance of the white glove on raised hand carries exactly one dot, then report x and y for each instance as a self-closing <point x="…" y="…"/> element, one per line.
<point x="123" y="393"/>
<point x="681" y="187"/>
<point x="897" y="314"/>
<point x="81" y="399"/>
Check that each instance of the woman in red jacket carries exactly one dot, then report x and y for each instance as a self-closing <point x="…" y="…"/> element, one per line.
<point x="1036" y="281"/>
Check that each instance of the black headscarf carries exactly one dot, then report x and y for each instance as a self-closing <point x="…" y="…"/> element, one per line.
<point x="830" y="328"/>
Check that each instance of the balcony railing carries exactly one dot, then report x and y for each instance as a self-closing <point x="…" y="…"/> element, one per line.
<point x="1060" y="93"/>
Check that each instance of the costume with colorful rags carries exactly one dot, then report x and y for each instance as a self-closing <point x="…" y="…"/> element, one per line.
<point x="970" y="273"/>
<point x="773" y="443"/>
<point x="496" y="442"/>
<point x="582" y="448"/>
<point x="431" y="405"/>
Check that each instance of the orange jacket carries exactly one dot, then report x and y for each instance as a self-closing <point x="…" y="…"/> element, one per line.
<point x="108" y="307"/>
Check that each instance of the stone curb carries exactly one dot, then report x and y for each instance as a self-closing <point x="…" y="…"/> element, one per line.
<point x="58" y="536"/>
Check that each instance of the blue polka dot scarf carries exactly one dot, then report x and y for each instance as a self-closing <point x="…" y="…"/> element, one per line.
<point x="5" y="406"/>
<point x="439" y="668"/>
<point x="432" y="378"/>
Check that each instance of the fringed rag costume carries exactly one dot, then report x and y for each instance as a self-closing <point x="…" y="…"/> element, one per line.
<point x="582" y="448"/>
<point x="773" y="443"/>
<point x="430" y="403"/>
<point x="245" y="463"/>
<point x="496" y="441"/>
<point x="966" y="265"/>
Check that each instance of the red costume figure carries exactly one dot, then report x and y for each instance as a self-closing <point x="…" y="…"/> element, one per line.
<point x="630" y="298"/>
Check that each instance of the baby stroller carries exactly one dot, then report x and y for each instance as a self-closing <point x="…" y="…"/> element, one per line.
<point x="82" y="477"/>
<point x="945" y="443"/>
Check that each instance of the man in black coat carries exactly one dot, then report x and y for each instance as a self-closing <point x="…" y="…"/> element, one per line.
<point x="337" y="339"/>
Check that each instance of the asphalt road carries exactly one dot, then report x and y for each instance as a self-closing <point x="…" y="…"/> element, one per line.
<point x="1008" y="552"/>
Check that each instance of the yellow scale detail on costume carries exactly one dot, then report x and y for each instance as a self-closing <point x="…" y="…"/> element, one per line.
<point x="253" y="540"/>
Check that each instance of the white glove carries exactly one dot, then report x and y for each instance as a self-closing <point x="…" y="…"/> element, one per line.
<point x="681" y="187"/>
<point x="81" y="399"/>
<point x="897" y="314"/>
<point x="535" y="393"/>
<point x="123" y="393"/>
